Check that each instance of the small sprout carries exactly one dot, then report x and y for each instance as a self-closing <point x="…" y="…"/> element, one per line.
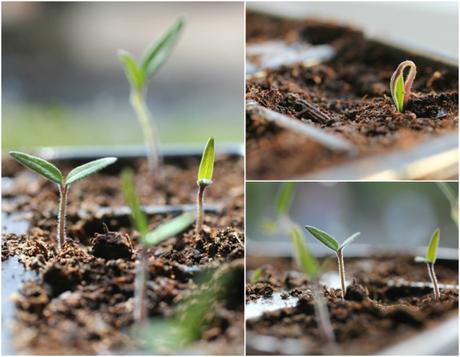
<point x="138" y="76"/>
<point x="284" y="199"/>
<point x="332" y="244"/>
<point x="148" y="239"/>
<point x="256" y="275"/>
<point x="430" y="259"/>
<point x="306" y="260"/>
<point x="53" y="174"/>
<point x="400" y="89"/>
<point x="203" y="181"/>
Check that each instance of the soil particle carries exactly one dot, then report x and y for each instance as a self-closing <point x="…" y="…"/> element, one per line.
<point x="111" y="245"/>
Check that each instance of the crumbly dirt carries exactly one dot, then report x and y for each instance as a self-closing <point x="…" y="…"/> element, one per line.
<point x="350" y="97"/>
<point x="379" y="309"/>
<point x="82" y="300"/>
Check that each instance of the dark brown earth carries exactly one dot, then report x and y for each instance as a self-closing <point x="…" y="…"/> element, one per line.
<point x="377" y="311"/>
<point x="351" y="90"/>
<point x="81" y="302"/>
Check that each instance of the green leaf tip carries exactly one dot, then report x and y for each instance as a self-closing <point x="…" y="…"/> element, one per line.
<point x="169" y="229"/>
<point x="138" y="217"/>
<point x="88" y="169"/>
<point x="158" y="53"/>
<point x="307" y="261"/>
<point x="349" y="240"/>
<point x="284" y="199"/>
<point x="324" y="238"/>
<point x="39" y="165"/>
<point x="400" y="89"/>
<point x="207" y="164"/>
<point x="431" y="251"/>
<point x="134" y="74"/>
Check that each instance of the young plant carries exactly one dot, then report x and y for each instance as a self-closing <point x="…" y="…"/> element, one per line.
<point x="400" y="89"/>
<point x="430" y="259"/>
<point x="148" y="239"/>
<point x="332" y="244"/>
<point x="53" y="174"/>
<point x="138" y="75"/>
<point x="204" y="180"/>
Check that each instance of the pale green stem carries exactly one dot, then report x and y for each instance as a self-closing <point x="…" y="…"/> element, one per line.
<point x="322" y="315"/>
<point x="140" y="288"/>
<point x="137" y="99"/>
<point x="341" y="272"/>
<point x="199" y="206"/>
<point x="434" y="280"/>
<point x="61" y="216"/>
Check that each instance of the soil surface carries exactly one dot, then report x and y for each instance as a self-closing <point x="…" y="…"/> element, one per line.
<point x="347" y="96"/>
<point x="382" y="306"/>
<point x="82" y="299"/>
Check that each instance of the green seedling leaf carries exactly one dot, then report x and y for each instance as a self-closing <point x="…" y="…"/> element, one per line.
<point x="306" y="259"/>
<point x="40" y="166"/>
<point x="134" y="74"/>
<point x="284" y="199"/>
<point x="400" y="89"/>
<point x="256" y="275"/>
<point x="138" y="217"/>
<point x="206" y="164"/>
<point x="159" y="52"/>
<point x="432" y="248"/>
<point x="87" y="169"/>
<point x="324" y="238"/>
<point x="169" y="229"/>
<point x="349" y="240"/>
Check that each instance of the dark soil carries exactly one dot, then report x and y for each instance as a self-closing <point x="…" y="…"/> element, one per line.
<point x="351" y="90"/>
<point x="82" y="300"/>
<point x="379" y="309"/>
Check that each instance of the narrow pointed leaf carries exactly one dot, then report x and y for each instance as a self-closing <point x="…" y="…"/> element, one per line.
<point x="305" y="258"/>
<point x="284" y="199"/>
<point x="324" y="238"/>
<point x="87" y="169"/>
<point x="159" y="52"/>
<point x="399" y="93"/>
<point x="134" y="74"/>
<point x="206" y="164"/>
<point x="169" y="229"/>
<point x="431" y="251"/>
<point x="138" y="217"/>
<point x="40" y="166"/>
<point x="350" y="239"/>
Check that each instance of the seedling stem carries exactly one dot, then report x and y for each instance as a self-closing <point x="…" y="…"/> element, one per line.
<point x="434" y="281"/>
<point x="62" y="215"/>
<point x="199" y="219"/>
<point x="342" y="273"/>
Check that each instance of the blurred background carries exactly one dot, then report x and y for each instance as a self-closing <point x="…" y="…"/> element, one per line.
<point x="429" y="25"/>
<point x="395" y="215"/>
<point x="63" y="84"/>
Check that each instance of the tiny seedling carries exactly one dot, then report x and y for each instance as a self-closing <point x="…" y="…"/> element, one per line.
<point x="138" y="75"/>
<point x="53" y="174"/>
<point x="400" y="89"/>
<point x="204" y="180"/>
<point x="332" y="244"/>
<point x="148" y="239"/>
<point x="430" y="259"/>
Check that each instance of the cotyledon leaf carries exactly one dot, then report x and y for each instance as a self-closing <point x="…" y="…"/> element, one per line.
<point x="206" y="164"/>
<point x="87" y="169"/>
<point x="324" y="238"/>
<point x="39" y="165"/>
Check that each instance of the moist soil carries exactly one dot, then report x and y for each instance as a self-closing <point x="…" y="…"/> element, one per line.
<point x="82" y="299"/>
<point x="381" y="306"/>
<point x="350" y="97"/>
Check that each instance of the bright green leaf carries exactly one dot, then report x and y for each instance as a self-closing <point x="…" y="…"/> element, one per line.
<point x="206" y="164"/>
<point x="138" y="218"/>
<point x="256" y="275"/>
<point x="134" y="74"/>
<point x="399" y="93"/>
<point x="87" y="169"/>
<point x="349" y="240"/>
<point x="169" y="229"/>
<point x="324" y="238"/>
<point x="38" y="165"/>
<point x="306" y="259"/>
<point x="431" y="251"/>
<point x="284" y="199"/>
<point x="159" y="52"/>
